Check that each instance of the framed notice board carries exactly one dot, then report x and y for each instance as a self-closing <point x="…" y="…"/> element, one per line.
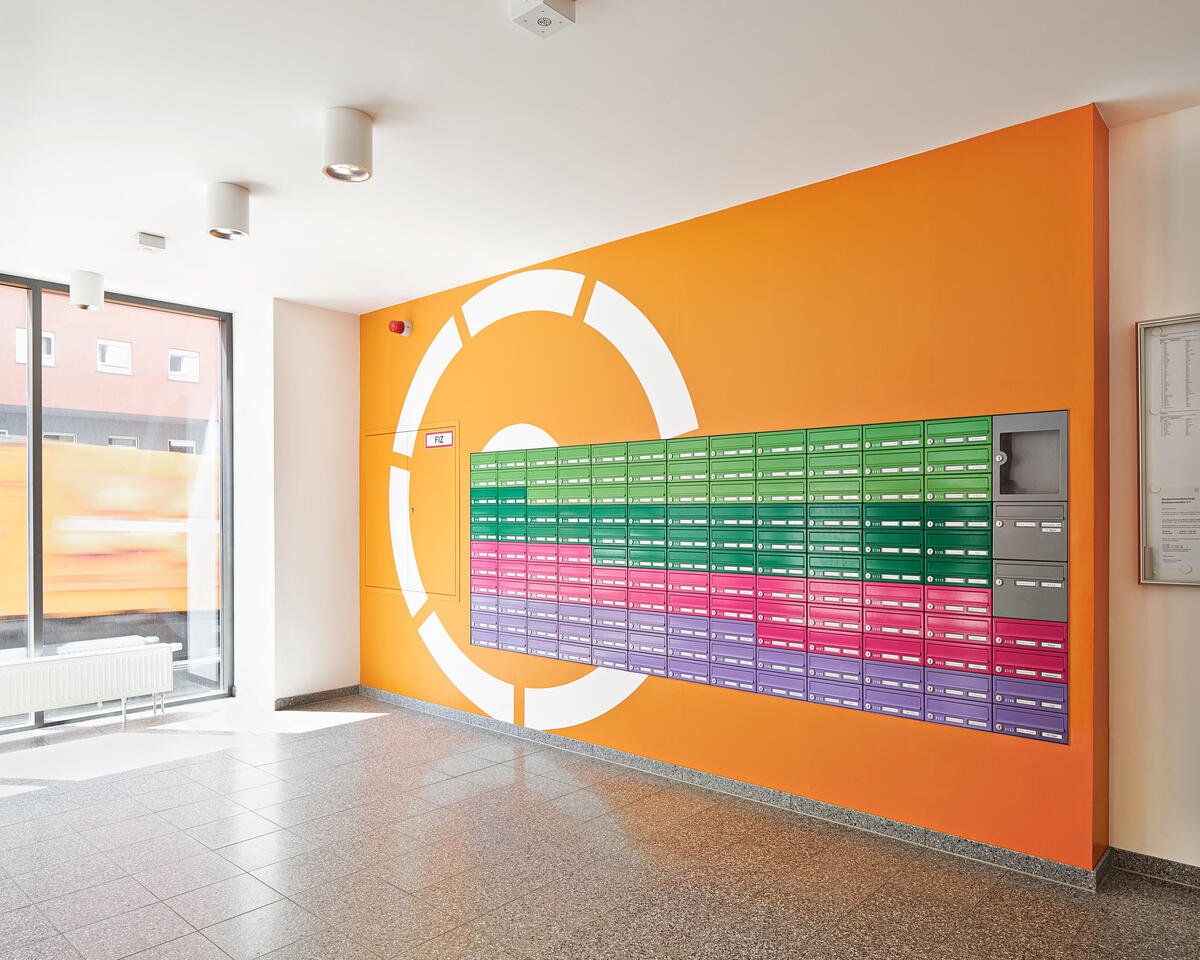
<point x="1169" y="440"/>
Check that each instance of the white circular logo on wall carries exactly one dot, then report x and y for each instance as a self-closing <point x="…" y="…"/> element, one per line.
<point x="641" y="346"/>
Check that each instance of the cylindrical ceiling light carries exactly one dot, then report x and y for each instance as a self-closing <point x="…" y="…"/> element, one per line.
<point x="228" y="211"/>
<point x="87" y="290"/>
<point x="346" y="145"/>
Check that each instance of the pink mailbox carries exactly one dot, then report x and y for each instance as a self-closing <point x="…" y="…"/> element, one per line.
<point x="956" y="629"/>
<point x="1030" y="664"/>
<point x="513" y="551"/>
<point x="893" y="596"/>
<point x="967" y="657"/>
<point x="485" y="567"/>
<point x="650" y="600"/>
<point x="836" y="643"/>
<point x="891" y="649"/>
<point x="732" y="585"/>
<point x="783" y="588"/>
<point x="733" y="608"/>
<point x="823" y="616"/>
<point x="1030" y="635"/>
<point x="512" y="570"/>
<point x="488" y="586"/>
<point x="909" y="624"/>
<point x="536" y="590"/>
<point x="616" y="577"/>
<point x="782" y="611"/>
<point x="513" y="588"/>
<point x="647" y="578"/>
<point x="689" y="604"/>
<point x="485" y="550"/>
<point x="836" y="591"/>
<point x="574" y="553"/>
<point x="577" y="573"/>
<point x="542" y="552"/>
<point x="574" y="593"/>
<point x="608" y="597"/>
<point x="541" y="571"/>
<point x="781" y="636"/>
<point x="687" y="581"/>
<point x="970" y="601"/>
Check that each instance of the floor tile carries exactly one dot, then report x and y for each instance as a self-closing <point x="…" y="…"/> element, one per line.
<point x="84" y="907"/>
<point x="327" y="945"/>
<point x="55" y="948"/>
<point x="148" y="854"/>
<point x="256" y="798"/>
<point x="44" y="854"/>
<point x="11" y="895"/>
<point x="221" y="900"/>
<point x="264" y="930"/>
<point x="24" y="926"/>
<point x="287" y="813"/>
<point x="201" y="812"/>
<point x="183" y="875"/>
<point x="129" y="933"/>
<point x="306" y="871"/>
<point x="122" y="834"/>
<point x="63" y="878"/>
<point x="235" y="829"/>
<point x="195" y="946"/>
<point x="24" y="832"/>
<point x="89" y="816"/>
<point x="178" y="795"/>
<point x="269" y="848"/>
<point x="472" y="893"/>
<point x="460" y="943"/>
<point x="141" y="783"/>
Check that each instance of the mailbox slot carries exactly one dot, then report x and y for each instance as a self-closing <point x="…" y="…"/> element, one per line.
<point x="1029" y="451"/>
<point x="1029" y="591"/>
<point x="1030" y="531"/>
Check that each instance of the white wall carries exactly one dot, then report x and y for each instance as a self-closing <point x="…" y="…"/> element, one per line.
<point x="315" y="473"/>
<point x="253" y="503"/>
<point x="1155" y="642"/>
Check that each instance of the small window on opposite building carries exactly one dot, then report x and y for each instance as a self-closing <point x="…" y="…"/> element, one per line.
<point x="114" y="356"/>
<point x="183" y="365"/>
<point x="60" y="437"/>
<point x="181" y="446"/>
<point x="47" y="346"/>
<point x="130" y="443"/>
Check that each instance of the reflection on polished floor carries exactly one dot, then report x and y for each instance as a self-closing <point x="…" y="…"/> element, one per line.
<point x="354" y="829"/>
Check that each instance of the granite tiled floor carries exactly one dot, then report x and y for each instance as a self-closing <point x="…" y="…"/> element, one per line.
<point x="405" y="836"/>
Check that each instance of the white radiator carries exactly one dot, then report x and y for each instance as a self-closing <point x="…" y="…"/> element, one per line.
<point x="68" y="680"/>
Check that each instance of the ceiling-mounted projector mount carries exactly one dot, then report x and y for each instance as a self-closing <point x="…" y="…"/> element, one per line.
<point x="543" y="17"/>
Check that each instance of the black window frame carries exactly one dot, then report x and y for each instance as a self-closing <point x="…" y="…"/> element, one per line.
<point x="34" y="502"/>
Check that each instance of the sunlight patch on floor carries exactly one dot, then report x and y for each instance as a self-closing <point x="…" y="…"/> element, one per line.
<point x="233" y="717"/>
<point x="103" y="756"/>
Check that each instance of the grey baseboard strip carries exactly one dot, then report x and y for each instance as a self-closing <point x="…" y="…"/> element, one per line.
<point x="284" y="703"/>
<point x="934" y="840"/>
<point x="1156" y="867"/>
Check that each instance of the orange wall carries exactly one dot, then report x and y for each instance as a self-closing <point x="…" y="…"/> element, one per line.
<point x="968" y="280"/>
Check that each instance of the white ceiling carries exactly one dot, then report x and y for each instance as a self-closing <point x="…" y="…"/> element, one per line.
<point x="493" y="148"/>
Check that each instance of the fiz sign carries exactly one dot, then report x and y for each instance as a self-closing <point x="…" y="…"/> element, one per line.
<point x="439" y="438"/>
